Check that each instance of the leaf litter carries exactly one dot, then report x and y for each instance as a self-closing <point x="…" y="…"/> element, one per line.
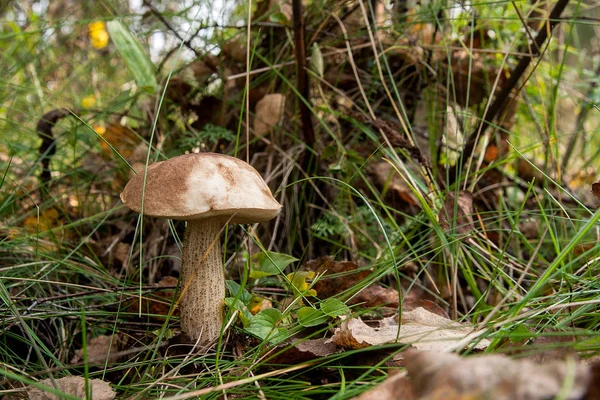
<point x="74" y="386"/>
<point x="420" y="328"/>
<point x="433" y="375"/>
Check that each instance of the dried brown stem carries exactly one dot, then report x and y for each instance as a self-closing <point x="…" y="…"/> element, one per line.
<point x="47" y="148"/>
<point x="302" y="75"/>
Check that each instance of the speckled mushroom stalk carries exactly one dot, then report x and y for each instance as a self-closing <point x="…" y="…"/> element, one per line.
<point x="202" y="280"/>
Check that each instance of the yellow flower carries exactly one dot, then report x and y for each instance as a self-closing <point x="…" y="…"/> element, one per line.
<point x="88" y="101"/>
<point x="100" y="129"/>
<point x="98" y="34"/>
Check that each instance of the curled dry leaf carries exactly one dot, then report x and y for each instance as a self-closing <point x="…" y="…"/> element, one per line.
<point x="268" y="113"/>
<point x="494" y="377"/>
<point x="100" y="348"/>
<point x="74" y="386"/>
<point x="419" y="328"/>
<point x="458" y="212"/>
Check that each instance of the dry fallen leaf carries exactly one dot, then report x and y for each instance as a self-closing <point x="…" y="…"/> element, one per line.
<point x="48" y="221"/>
<point x="121" y="138"/>
<point x="268" y="113"/>
<point x="596" y="189"/>
<point x="45" y="221"/>
<point x="347" y="275"/>
<point x="305" y="350"/>
<point x="377" y="295"/>
<point x="234" y="50"/>
<point x="99" y="348"/>
<point x="121" y="252"/>
<point x="463" y="219"/>
<point x="593" y="389"/>
<point x="203" y="69"/>
<point x="396" y="386"/>
<point x="493" y="376"/>
<point x="412" y="303"/>
<point x="74" y="386"/>
<point x="393" y="187"/>
<point x="420" y="328"/>
<point x="445" y="376"/>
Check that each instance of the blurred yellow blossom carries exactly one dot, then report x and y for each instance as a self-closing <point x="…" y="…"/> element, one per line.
<point x="98" y="34"/>
<point x="100" y="129"/>
<point x="88" y="101"/>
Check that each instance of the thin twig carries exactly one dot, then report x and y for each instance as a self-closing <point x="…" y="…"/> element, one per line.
<point x="47" y="147"/>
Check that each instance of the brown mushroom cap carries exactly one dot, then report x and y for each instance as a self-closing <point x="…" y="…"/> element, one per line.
<point x="202" y="185"/>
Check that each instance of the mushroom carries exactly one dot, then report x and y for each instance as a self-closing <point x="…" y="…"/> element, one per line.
<point x="207" y="190"/>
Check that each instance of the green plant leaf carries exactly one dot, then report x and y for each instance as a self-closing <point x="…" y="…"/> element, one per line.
<point x="300" y="284"/>
<point x="334" y="308"/>
<point x="235" y="304"/>
<point x="133" y="54"/>
<point x="269" y="263"/>
<point x="308" y="316"/>
<point x="264" y="324"/>
<point x="234" y="288"/>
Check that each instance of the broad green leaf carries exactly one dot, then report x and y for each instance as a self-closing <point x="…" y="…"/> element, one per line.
<point x="308" y="316"/>
<point x="300" y="286"/>
<point x="269" y="263"/>
<point x="264" y="324"/>
<point x="234" y="288"/>
<point x="133" y="54"/>
<point x="334" y="308"/>
<point x="236" y="304"/>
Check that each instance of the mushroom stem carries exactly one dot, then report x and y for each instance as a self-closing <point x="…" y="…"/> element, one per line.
<point x="202" y="281"/>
